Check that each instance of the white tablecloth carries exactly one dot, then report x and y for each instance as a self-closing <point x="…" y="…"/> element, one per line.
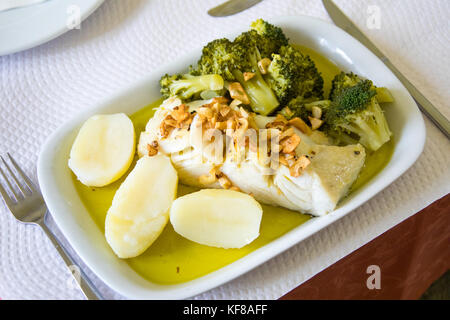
<point x="123" y="40"/>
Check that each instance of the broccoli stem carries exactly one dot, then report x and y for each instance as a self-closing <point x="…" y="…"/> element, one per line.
<point x="262" y="98"/>
<point x="191" y="85"/>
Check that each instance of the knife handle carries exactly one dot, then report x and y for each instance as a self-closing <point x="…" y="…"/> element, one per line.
<point x="423" y="103"/>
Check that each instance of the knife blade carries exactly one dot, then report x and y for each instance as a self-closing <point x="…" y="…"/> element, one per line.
<point x="232" y="7"/>
<point x="13" y="4"/>
<point x="342" y="21"/>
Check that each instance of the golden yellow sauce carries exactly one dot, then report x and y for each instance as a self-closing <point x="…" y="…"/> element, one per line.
<point x="374" y="163"/>
<point x="173" y="259"/>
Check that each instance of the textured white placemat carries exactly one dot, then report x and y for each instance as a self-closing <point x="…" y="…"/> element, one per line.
<point x="123" y="40"/>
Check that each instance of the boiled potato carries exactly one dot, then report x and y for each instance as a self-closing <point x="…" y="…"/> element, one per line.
<point x="103" y="149"/>
<point x="217" y="218"/>
<point x="140" y="207"/>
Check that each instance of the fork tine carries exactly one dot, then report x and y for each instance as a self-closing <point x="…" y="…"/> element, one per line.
<point x="27" y="180"/>
<point x="11" y="188"/>
<point x="9" y="202"/>
<point x="16" y="180"/>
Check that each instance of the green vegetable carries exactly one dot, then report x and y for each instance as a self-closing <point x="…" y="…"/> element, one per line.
<point x="232" y="59"/>
<point x="342" y="81"/>
<point x="262" y="99"/>
<point x="187" y="86"/>
<point x="355" y="112"/>
<point x="221" y="56"/>
<point x="294" y="75"/>
<point x="302" y="108"/>
<point x="272" y="38"/>
<point x="350" y="79"/>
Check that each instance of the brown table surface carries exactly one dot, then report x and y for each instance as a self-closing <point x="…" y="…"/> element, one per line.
<point x="411" y="256"/>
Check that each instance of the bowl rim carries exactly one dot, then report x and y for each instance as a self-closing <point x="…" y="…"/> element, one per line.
<point x="133" y="287"/>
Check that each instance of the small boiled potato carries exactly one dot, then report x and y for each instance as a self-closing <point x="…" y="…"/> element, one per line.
<point x="103" y="149"/>
<point x="217" y="218"/>
<point x="140" y="207"/>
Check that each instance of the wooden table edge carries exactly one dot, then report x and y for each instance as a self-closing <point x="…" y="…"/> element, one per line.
<point x="401" y="263"/>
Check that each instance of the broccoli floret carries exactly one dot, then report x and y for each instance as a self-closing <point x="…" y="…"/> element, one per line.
<point x="273" y="37"/>
<point x="342" y="81"/>
<point x="186" y="86"/>
<point x="310" y="83"/>
<point x="283" y="77"/>
<point x="231" y="60"/>
<point x="221" y="57"/>
<point x="262" y="99"/>
<point x="292" y="74"/>
<point x="246" y="44"/>
<point x="355" y="112"/>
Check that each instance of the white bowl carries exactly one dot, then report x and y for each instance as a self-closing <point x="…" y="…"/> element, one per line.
<point x="72" y="218"/>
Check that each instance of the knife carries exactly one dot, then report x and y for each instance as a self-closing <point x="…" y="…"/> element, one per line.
<point x="13" y="4"/>
<point x="342" y="21"/>
<point x="232" y="7"/>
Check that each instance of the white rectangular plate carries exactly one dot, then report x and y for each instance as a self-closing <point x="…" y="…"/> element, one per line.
<point x="72" y="218"/>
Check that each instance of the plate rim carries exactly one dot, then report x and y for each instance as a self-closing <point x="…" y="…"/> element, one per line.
<point x="50" y="34"/>
<point x="253" y="259"/>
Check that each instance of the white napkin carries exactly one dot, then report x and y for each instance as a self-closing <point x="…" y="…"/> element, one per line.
<point x="124" y="40"/>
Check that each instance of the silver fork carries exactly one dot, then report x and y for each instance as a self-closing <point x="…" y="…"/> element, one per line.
<point x="27" y="205"/>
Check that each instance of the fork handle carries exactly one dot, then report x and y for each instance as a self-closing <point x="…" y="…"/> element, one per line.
<point x="85" y="284"/>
